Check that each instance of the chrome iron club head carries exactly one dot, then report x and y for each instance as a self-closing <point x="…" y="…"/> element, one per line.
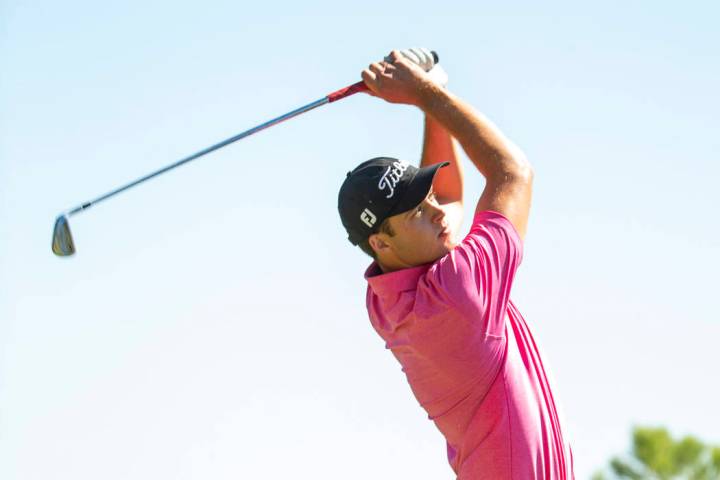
<point x="62" y="242"/>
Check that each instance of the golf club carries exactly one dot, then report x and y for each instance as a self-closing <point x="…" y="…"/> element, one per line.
<point x="62" y="241"/>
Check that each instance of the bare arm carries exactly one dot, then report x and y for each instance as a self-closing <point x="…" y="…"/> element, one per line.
<point x="439" y="146"/>
<point x="508" y="174"/>
<point x="508" y="188"/>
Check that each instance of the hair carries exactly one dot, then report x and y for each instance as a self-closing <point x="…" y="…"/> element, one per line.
<point x="385" y="228"/>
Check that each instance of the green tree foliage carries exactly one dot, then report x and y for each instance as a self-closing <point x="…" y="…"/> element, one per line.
<point x="657" y="456"/>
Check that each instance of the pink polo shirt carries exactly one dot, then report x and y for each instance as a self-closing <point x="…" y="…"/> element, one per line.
<point x="470" y="358"/>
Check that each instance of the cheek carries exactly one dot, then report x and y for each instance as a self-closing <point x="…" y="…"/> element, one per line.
<point x="427" y="238"/>
<point x="411" y="239"/>
<point x="418" y="237"/>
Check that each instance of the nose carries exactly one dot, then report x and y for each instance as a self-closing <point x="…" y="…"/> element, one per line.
<point x="438" y="214"/>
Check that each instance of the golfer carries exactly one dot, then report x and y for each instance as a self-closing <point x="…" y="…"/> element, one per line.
<point x="441" y="303"/>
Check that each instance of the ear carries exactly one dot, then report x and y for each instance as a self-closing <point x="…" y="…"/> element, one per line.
<point x="378" y="244"/>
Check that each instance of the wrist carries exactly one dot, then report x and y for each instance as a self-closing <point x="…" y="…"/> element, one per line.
<point x="430" y="97"/>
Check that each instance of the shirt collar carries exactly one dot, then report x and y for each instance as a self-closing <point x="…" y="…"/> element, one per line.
<point x="397" y="281"/>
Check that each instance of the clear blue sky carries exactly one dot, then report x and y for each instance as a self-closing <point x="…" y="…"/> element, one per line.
<point x="212" y="323"/>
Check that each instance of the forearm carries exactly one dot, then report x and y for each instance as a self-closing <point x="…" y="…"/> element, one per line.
<point x="439" y="146"/>
<point x="493" y="154"/>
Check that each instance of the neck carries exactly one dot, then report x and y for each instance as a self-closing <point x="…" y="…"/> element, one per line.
<point x="391" y="265"/>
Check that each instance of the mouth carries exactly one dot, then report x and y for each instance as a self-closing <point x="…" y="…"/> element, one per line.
<point x="444" y="232"/>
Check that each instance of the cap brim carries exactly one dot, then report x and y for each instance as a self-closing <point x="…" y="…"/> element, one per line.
<point x="418" y="188"/>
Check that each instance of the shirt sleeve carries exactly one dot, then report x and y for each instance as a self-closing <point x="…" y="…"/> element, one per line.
<point x="476" y="277"/>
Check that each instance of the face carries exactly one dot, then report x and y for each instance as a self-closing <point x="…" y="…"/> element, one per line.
<point x="422" y="235"/>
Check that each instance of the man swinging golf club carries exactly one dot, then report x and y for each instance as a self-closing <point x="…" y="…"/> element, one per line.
<point x="441" y="303"/>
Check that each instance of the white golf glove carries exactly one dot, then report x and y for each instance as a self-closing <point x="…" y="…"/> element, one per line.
<point x="423" y="58"/>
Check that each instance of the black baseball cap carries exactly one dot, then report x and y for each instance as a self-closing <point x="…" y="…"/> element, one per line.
<point x="380" y="188"/>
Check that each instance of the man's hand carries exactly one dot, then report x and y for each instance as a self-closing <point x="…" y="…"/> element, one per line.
<point x="425" y="59"/>
<point x="398" y="81"/>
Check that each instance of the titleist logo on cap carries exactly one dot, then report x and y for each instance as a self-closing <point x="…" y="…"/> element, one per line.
<point x="392" y="176"/>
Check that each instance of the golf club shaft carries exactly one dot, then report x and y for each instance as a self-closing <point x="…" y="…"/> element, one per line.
<point x="334" y="96"/>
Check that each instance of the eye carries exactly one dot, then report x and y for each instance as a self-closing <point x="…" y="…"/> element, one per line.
<point x="418" y="210"/>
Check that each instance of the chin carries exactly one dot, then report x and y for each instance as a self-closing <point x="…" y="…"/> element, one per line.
<point x="449" y="243"/>
<point x="443" y="250"/>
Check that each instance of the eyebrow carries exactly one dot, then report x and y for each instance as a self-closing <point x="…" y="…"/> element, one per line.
<point x="409" y="213"/>
<point x="430" y="194"/>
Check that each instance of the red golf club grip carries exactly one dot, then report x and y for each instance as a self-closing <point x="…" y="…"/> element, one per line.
<point x="347" y="91"/>
<point x="360" y="86"/>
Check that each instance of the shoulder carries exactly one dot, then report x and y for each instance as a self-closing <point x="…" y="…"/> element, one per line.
<point x="490" y="251"/>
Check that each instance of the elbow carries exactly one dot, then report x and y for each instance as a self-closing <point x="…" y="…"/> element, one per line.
<point x="521" y="167"/>
<point x="527" y="172"/>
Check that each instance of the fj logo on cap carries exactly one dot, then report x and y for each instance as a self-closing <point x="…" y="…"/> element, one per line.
<point x="368" y="218"/>
<point x="392" y="176"/>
